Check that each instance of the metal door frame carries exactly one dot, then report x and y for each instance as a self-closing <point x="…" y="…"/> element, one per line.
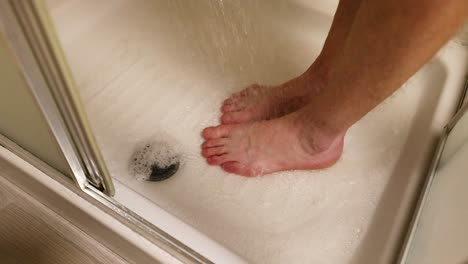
<point x="30" y="34"/>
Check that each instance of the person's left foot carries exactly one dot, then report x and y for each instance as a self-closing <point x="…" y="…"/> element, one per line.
<point x="259" y="148"/>
<point x="260" y="102"/>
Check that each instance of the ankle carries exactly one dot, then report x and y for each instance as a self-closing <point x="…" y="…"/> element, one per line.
<point x="316" y="140"/>
<point x="316" y="77"/>
<point x="317" y="136"/>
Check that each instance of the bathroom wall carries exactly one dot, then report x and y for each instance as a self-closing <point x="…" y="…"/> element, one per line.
<point x="21" y="120"/>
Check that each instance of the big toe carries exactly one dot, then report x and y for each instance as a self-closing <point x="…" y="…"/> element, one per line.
<point x="217" y="132"/>
<point x="238" y="168"/>
<point x="232" y="167"/>
<point x="230" y="107"/>
<point x="236" y="117"/>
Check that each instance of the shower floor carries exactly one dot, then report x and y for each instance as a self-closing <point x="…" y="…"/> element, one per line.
<point x="151" y="70"/>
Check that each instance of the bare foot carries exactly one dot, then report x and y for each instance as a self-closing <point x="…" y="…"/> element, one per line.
<point x="259" y="148"/>
<point x="259" y="102"/>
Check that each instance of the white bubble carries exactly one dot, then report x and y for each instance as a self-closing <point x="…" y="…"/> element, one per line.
<point x="156" y="153"/>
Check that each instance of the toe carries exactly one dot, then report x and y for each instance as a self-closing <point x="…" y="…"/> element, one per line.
<point x="215" y="151"/>
<point x="238" y="168"/>
<point x="214" y="143"/>
<point x="233" y="167"/>
<point x="239" y="94"/>
<point x="235" y="117"/>
<point x="226" y="108"/>
<point x="217" y="160"/>
<point x="217" y="132"/>
<point x="228" y="101"/>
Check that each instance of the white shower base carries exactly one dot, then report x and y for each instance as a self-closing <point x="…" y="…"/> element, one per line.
<point x="160" y="69"/>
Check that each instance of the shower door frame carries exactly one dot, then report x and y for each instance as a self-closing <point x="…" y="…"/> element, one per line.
<point x="31" y="37"/>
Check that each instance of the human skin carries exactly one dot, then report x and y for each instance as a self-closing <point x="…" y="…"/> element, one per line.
<point x="372" y="49"/>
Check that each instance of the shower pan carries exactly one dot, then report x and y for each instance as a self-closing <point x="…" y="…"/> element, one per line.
<point x="126" y="83"/>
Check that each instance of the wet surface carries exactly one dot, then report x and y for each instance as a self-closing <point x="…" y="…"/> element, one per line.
<point x="166" y="66"/>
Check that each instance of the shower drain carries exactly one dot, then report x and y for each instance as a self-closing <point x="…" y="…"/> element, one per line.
<point x="163" y="173"/>
<point x="154" y="161"/>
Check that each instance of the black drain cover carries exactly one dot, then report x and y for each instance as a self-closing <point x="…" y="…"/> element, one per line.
<point x="154" y="161"/>
<point x="161" y="174"/>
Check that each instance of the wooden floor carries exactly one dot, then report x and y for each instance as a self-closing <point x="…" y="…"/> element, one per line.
<point x="31" y="233"/>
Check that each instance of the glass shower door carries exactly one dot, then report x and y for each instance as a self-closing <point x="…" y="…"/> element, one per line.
<point x="31" y="37"/>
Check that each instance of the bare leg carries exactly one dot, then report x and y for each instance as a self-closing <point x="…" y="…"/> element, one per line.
<point x="388" y="42"/>
<point x="259" y="102"/>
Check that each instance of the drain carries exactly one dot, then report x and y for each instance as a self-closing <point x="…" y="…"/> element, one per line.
<point x="161" y="174"/>
<point x="154" y="161"/>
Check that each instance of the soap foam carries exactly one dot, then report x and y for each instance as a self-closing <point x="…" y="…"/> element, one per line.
<point x="152" y="154"/>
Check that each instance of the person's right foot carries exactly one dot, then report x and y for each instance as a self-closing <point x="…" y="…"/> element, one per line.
<point x="258" y="102"/>
<point x="259" y="148"/>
